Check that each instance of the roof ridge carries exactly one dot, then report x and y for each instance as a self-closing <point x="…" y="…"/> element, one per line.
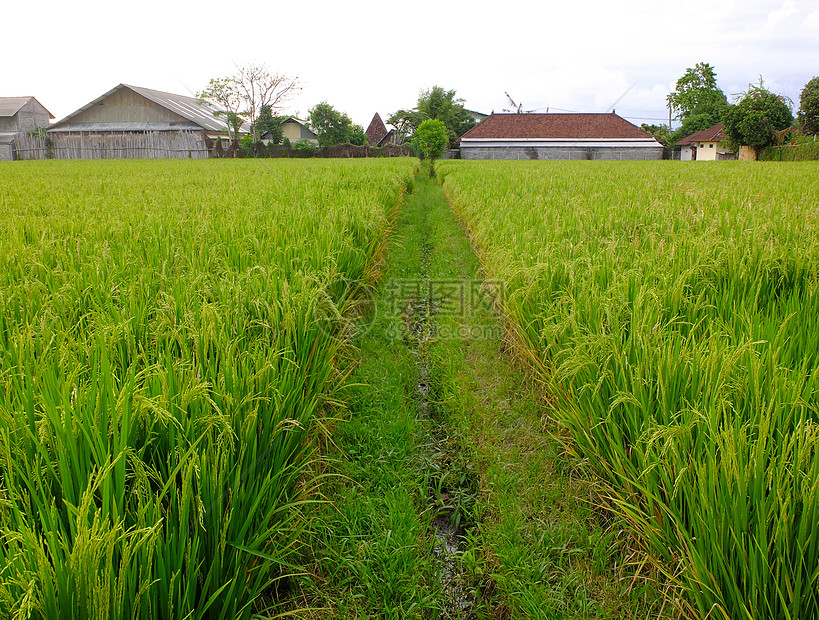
<point x="191" y="109"/>
<point x="23" y="100"/>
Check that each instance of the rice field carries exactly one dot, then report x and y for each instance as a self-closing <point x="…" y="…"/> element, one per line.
<point x="673" y="313"/>
<point x="163" y="380"/>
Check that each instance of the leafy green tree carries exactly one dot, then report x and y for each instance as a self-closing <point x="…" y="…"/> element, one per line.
<point x="809" y="107"/>
<point x="697" y="101"/>
<point x="697" y="93"/>
<point x="334" y="127"/>
<point x="756" y="117"/>
<point x="269" y="124"/>
<point x="357" y="135"/>
<point x="435" y="103"/>
<point x="660" y="132"/>
<point x="432" y="140"/>
<point x="407" y="121"/>
<point x="444" y="105"/>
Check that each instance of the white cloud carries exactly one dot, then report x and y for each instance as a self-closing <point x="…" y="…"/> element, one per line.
<point x="364" y="56"/>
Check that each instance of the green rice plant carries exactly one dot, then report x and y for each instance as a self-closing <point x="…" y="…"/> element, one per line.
<point x="163" y="377"/>
<point x="673" y="311"/>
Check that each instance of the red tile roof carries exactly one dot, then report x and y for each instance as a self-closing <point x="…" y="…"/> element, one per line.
<point x="712" y="134"/>
<point x="377" y="130"/>
<point x="555" y="126"/>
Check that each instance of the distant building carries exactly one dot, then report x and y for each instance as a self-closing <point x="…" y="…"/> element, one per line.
<point x="376" y="131"/>
<point x="705" y="145"/>
<point x="136" y="122"/>
<point x="476" y="116"/>
<point x="379" y="135"/>
<point x="18" y="116"/>
<point x="558" y="136"/>
<point x="294" y="130"/>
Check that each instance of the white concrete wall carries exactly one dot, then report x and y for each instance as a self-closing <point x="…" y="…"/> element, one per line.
<point x="558" y="152"/>
<point x="706" y="151"/>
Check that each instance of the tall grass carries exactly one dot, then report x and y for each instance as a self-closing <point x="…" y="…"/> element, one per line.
<point x="674" y="313"/>
<point x="162" y="375"/>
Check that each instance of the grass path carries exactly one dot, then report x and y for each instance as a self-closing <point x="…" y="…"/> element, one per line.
<point x="451" y="498"/>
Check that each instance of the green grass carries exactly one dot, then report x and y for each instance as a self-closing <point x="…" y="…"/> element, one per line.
<point x="163" y="377"/>
<point x="470" y="449"/>
<point x="671" y="311"/>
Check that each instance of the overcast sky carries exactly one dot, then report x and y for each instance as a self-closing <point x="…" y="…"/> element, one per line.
<point x="364" y="56"/>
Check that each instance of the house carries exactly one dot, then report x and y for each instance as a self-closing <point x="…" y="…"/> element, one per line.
<point x="476" y="116"/>
<point x="18" y="116"/>
<point x="134" y="122"/>
<point x="558" y="136"/>
<point x="705" y="146"/>
<point x="376" y="131"/>
<point x="294" y="130"/>
<point x="379" y="135"/>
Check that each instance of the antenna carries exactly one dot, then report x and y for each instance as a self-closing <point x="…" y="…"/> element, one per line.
<point x="516" y="107"/>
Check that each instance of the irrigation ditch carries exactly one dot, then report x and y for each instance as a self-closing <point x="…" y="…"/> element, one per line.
<point x="452" y="484"/>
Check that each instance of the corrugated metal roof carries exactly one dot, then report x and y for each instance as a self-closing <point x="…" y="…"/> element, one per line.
<point x="195" y="110"/>
<point x="130" y="126"/>
<point x="191" y="108"/>
<point x="9" y="106"/>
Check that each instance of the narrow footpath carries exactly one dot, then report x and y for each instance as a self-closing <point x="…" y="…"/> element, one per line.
<point x="448" y="496"/>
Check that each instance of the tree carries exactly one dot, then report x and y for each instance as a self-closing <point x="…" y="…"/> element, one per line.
<point x="223" y="94"/>
<point x="444" y="105"/>
<point x="697" y="101"/>
<point x="697" y="93"/>
<point x="246" y="92"/>
<point x="269" y="124"/>
<point x="431" y="137"/>
<point x="435" y="103"/>
<point x="357" y="135"/>
<point x="660" y="132"/>
<point x="809" y="107"/>
<point x="334" y="127"/>
<point x="406" y="121"/>
<point x="755" y="118"/>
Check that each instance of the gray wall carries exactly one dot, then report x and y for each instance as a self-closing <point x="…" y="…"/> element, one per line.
<point x="546" y="152"/>
<point x="5" y="152"/>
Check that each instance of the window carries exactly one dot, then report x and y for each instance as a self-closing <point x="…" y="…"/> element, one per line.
<point x="710" y="146"/>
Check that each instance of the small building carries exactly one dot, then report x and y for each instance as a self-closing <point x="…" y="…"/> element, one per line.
<point x="294" y="130"/>
<point x="705" y="145"/>
<point x="558" y="136"/>
<point x="18" y="117"/>
<point x="376" y="131"/>
<point x="476" y="116"/>
<point x="379" y="135"/>
<point x="134" y="122"/>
